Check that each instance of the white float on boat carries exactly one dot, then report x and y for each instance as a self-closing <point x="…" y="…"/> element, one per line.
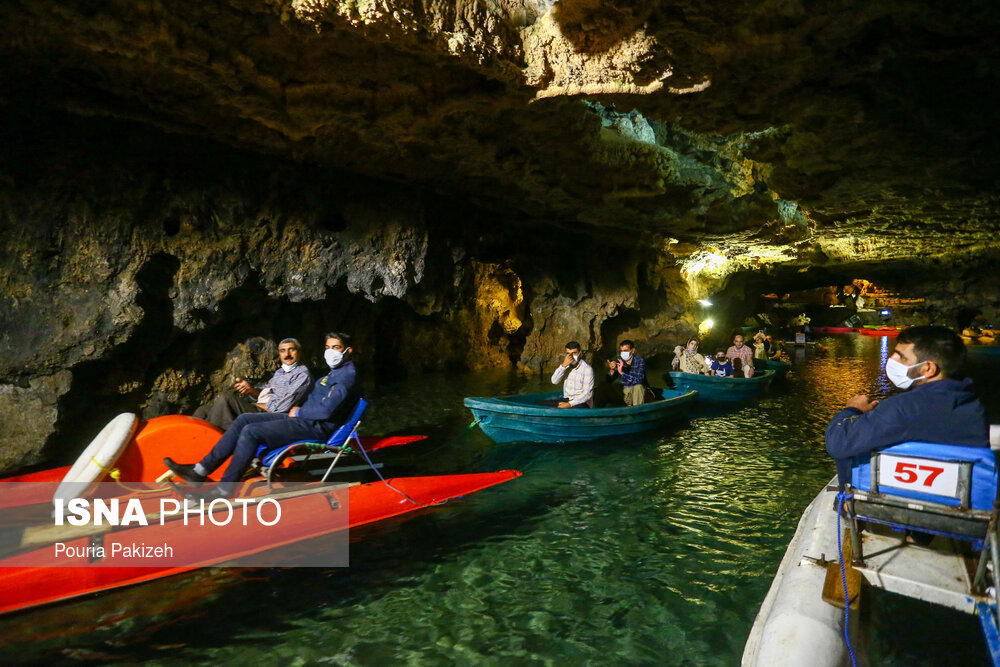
<point x="99" y="456"/>
<point x="794" y="625"/>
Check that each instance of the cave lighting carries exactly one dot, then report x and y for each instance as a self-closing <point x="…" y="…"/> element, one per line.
<point x="705" y="262"/>
<point x="705" y="327"/>
<point x="884" y="312"/>
<point x="705" y="302"/>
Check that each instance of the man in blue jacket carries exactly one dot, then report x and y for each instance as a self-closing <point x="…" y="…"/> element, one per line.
<point x="329" y="405"/>
<point x="939" y="408"/>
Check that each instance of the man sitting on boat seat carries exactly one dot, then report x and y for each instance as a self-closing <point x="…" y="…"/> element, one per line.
<point x="742" y="352"/>
<point x="940" y="408"/>
<point x="578" y="382"/>
<point x="331" y="402"/>
<point x="688" y="360"/>
<point x="631" y="368"/>
<point x="287" y="387"/>
<point x="721" y="366"/>
<point x="773" y="347"/>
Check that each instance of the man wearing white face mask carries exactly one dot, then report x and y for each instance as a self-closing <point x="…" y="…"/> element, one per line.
<point x="578" y="387"/>
<point x="631" y="368"/>
<point x="331" y="402"/>
<point x="938" y="408"/>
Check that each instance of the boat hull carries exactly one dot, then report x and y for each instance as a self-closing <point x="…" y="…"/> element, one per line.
<point x="521" y="419"/>
<point x="26" y="582"/>
<point x="794" y="625"/>
<point x="723" y="390"/>
<point x="780" y="368"/>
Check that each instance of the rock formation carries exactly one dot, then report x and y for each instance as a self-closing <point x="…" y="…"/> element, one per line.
<point x="477" y="182"/>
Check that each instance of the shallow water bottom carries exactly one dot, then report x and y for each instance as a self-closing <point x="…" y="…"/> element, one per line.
<point x="649" y="550"/>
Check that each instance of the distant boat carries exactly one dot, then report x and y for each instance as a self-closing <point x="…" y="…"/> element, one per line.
<point x="520" y="418"/>
<point x="780" y="368"/>
<point x="833" y="330"/>
<point x="983" y="349"/>
<point x="891" y="333"/>
<point x="714" y="389"/>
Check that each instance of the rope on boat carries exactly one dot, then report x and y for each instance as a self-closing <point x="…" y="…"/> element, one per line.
<point x="473" y="424"/>
<point x="116" y="475"/>
<point x="841" y="497"/>
<point x="113" y="473"/>
<point x="386" y="482"/>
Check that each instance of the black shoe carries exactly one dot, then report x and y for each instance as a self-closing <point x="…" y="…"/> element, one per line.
<point x="185" y="471"/>
<point x="208" y="495"/>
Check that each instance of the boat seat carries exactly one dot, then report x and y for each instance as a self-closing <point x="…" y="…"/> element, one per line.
<point x="935" y="489"/>
<point x="946" y="490"/>
<point x="338" y="443"/>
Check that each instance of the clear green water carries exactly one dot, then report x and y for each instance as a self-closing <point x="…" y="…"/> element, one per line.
<point x="655" y="550"/>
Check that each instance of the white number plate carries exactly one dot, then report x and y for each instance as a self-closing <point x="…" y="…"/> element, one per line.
<point x="902" y="472"/>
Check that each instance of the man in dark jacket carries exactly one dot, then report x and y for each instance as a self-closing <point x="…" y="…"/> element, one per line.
<point x="331" y="402"/>
<point x="939" y="408"/>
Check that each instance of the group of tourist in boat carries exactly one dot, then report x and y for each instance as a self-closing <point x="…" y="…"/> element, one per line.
<point x="738" y="360"/>
<point x="577" y="377"/>
<point x="281" y="413"/>
<point x="941" y="409"/>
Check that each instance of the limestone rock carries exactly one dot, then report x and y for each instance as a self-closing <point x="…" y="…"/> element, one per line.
<point x="29" y="415"/>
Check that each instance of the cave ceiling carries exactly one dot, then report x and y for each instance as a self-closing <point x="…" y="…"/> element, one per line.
<point x="780" y="131"/>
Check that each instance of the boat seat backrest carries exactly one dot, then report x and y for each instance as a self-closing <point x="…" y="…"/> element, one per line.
<point x="961" y="478"/>
<point x="337" y="439"/>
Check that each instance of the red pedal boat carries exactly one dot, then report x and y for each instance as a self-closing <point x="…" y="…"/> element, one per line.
<point x="29" y="579"/>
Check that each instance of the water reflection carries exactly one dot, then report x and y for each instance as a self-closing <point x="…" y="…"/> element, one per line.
<point x="654" y="550"/>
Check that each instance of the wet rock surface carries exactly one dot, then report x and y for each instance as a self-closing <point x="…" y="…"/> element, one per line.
<point x="464" y="185"/>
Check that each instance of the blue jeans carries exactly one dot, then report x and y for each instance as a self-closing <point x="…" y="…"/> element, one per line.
<point x="250" y="431"/>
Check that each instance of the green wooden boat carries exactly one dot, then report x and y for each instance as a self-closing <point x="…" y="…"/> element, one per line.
<point x="718" y="389"/>
<point x="520" y="418"/>
<point x="780" y="368"/>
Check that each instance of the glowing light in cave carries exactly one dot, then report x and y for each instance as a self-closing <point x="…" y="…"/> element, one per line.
<point x="705" y="302"/>
<point x="705" y="327"/>
<point x="708" y="261"/>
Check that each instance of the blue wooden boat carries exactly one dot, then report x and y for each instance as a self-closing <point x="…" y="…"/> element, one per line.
<point x="983" y="349"/>
<point x="717" y="389"/>
<point x="520" y="418"/>
<point x="780" y="368"/>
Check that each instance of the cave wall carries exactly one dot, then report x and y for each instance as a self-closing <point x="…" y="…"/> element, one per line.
<point x="135" y="263"/>
<point x="463" y="185"/>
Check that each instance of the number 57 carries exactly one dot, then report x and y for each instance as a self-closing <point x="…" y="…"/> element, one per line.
<point x="907" y="473"/>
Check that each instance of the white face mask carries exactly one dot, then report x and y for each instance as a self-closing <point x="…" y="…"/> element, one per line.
<point x="333" y="358"/>
<point x="626" y="355"/>
<point x="576" y="357"/>
<point x="288" y="367"/>
<point x="897" y="373"/>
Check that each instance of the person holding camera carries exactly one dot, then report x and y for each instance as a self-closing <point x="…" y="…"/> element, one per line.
<point x="631" y="368"/>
